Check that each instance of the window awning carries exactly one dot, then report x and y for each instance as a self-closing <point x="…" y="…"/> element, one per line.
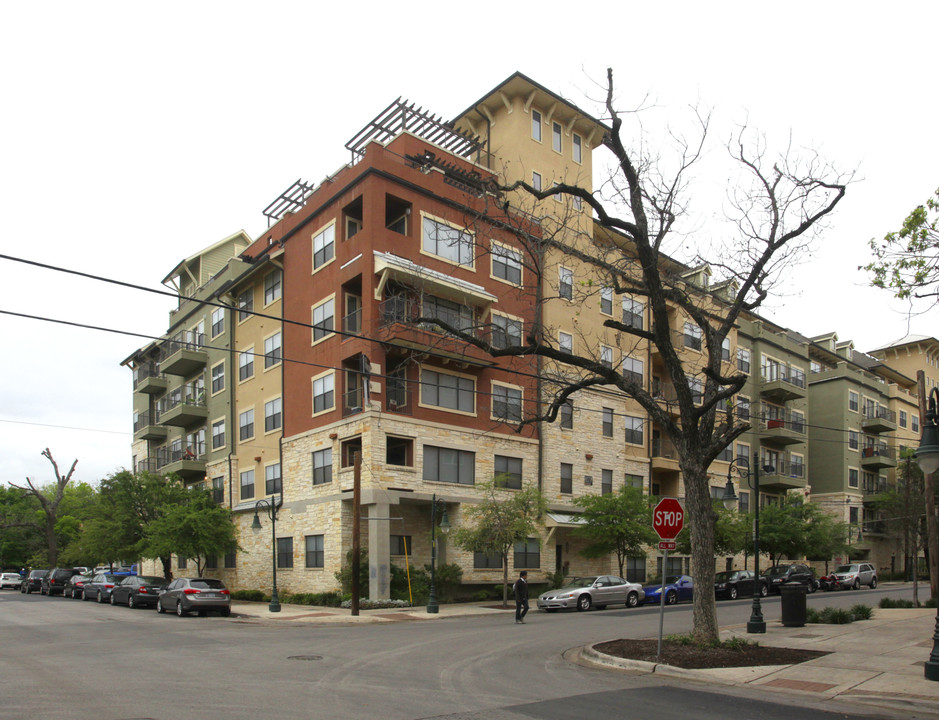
<point x="559" y="519"/>
<point x="391" y="266"/>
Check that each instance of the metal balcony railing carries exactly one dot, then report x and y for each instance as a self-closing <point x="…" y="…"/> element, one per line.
<point x="191" y="451"/>
<point x="146" y="371"/>
<point x="188" y="394"/>
<point x="879" y="412"/>
<point x="784" y="373"/>
<point x="880" y="450"/>
<point x="185" y="340"/>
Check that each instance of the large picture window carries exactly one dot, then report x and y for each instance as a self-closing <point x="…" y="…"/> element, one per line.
<point x="449" y="465"/>
<point x="447" y="242"/>
<point x="455" y="314"/>
<point x="448" y="391"/>
<point x="528" y="554"/>
<point x="508" y="471"/>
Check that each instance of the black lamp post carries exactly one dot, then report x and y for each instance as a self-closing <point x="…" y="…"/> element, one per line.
<point x="271" y="509"/>
<point x="436" y="506"/>
<point x="755" y="624"/>
<point x="927" y="455"/>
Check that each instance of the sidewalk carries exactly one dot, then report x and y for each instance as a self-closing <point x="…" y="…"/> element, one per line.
<point x="259" y="612"/>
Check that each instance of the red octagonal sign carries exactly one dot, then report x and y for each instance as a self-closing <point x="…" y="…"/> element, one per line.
<point x="668" y="518"/>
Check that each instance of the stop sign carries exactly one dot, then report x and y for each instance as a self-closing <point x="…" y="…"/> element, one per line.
<point x="668" y="518"/>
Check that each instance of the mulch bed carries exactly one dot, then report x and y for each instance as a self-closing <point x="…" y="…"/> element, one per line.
<point x="694" y="657"/>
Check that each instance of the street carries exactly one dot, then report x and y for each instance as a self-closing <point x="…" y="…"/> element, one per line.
<point x="69" y="659"/>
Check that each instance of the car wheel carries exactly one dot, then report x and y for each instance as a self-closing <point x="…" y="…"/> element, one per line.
<point x="873" y="582"/>
<point x="856" y="585"/>
<point x="671" y="597"/>
<point x="732" y="592"/>
<point x="226" y="612"/>
<point x="84" y="596"/>
<point x="179" y="609"/>
<point x="130" y="602"/>
<point x="764" y="591"/>
<point x="98" y="598"/>
<point x="632" y="600"/>
<point x="584" y="602"/>
<point x="160" y="608"/>
<point x="811" y="587"/>
<point x="112" y="599"/>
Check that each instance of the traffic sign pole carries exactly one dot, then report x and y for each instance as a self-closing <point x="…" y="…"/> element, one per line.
<point x="668" y="519"/>
<point x="662" y="602"/>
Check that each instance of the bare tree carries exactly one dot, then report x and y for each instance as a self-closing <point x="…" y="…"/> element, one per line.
<point x="49" y="502"/>
<point x="777" y="204"/>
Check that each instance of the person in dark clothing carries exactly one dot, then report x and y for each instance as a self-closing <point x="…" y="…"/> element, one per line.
<point x="521" y="596"/>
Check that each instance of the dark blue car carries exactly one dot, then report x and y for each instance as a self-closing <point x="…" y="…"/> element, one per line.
<point x="677" y="589"/>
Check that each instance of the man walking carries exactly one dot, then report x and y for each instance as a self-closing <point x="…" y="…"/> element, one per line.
<point x="521" y="596"/>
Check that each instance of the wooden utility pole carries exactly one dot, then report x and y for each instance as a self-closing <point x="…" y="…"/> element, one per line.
<point x="932" y="526"/>
<point x="356" y="511"/>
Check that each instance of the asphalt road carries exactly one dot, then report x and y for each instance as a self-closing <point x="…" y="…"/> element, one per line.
<point x="61" y="658"/>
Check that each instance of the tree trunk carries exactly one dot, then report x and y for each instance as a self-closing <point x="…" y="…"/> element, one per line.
<point x="51" y="543"/>
<point x="167" y="563"/>
<point x="701" y="517"/>
<point x="505" y="581"/>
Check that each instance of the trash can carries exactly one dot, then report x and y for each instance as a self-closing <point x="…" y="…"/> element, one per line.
<point x="792" y="597"/>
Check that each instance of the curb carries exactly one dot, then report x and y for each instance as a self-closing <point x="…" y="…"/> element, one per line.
<point x="650" y="668"/>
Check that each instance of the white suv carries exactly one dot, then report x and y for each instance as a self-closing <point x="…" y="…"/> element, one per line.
<point x="855" y="575"/>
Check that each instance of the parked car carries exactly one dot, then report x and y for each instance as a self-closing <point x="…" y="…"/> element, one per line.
<point x="790" y="572"/>
<point x="76" y="585"/>
<point x="33" y="581"/>
<point x="597" y="591"/>
<point x="10" y="580"/>
<point x="676" y="588"/>
<point x="855" y="575"/>
<point x="138" y="591"/>
<point x="184" y="595"/>
<point x="100" y="586"/>
<point x="54" y="582"/>
<point x="737" y="583"/>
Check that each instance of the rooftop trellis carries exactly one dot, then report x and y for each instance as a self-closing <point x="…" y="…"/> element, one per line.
<point x="291" y="200"/>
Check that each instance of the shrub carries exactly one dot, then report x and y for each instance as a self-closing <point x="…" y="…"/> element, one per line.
<point x="735" y="643"/>
<point x="556" y="580"/>
<point x="861" y="612"/>
<point x="836" y="616"/>
<point x="929" y="603"/>
<point x="812" y="616"/>
<point x="893" y="603"/>
<point x="250" y="595"/>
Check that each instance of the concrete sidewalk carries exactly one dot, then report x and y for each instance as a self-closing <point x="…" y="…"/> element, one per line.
<point x="259" y="612"/>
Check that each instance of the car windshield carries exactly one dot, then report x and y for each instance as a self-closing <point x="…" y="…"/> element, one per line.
<point x="846" y="569"/>
<point x="581" y="582"/>
<point x="673" y="580"/>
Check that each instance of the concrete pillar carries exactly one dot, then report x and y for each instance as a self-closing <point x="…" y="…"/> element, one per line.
<point x="379" y="551"/>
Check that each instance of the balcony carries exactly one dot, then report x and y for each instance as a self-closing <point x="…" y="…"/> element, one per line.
<point x="188" y="462"/>
<point x="878" y="457"/>
<point x="147" y="465"/>
<point x="664" y="456"/>
<point x="352" y="402"/>
<point x="184" y="354"/>
<point x="665" y="395"/>
<point x="783" y="430"/>
<point x="784" y="476"/>
<point x="782" y="384"/>
<point x="398" y="398"/>
<point x="875" y="527"/>
<point x="878" y="419"/>
<point x="147" y="426"/>
<point x="183" y="407"/>
<point x="149" y="380"/>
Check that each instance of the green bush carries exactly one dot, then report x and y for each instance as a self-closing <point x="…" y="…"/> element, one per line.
<point x="929" y="603"/>
<point x="812" y="616"/>
<point x="250" y="595"/>
<point x="861" y="612"/>
<point x="836" y="616"/>
<point x="556" y="580"/>
<point x="344" y="576"/>
<point x="420" y="585"/>
<point x="887" y="603"/>
<point x="735" y="643"/>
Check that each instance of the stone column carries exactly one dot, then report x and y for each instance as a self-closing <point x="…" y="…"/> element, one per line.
<point x="379" y="550"/>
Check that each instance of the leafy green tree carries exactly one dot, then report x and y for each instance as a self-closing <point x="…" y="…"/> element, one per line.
<point x="619" y="522"/>
<point x="732" y="532"/>
<point x="906" y="261"/>
<point x="20" y="531"/>
<point x="501" y="519"/>
<point x="794" y="529"/>
<point x="194" y="528"/>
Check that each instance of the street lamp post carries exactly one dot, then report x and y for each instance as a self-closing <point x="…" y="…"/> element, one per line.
<point x="927" y="455"/>
<point x="435" y="507"/>
<point x="756" y="624"/>
<point x="271" y="509"/>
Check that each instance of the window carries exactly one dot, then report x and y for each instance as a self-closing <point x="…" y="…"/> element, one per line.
<point x="744" y="502"/>
<point x="245" y="304"/>
<point x="797" y="421"/>
<point x="697" y="390"/>
<point x="352" y="322"/>
<point x="323" y="320"/>
<point x="633" y="481"/>
<point x="632" y="370"/>
<point x="606" y="356"/>
<point x="508" y="471"/>
<point x="323" y="393"/>
<point x="247" y="484"/>
<point x="903" y="421"/>
<point x="181" y="562"/>
<point x="565" y="342"/>
<point x="566" y="283"/>
<point x="853" y="439"/>
<point x="246" y="365"/>
<point x="324" y="244"/>
<point x="273" y="417"/>
<point x="606" y="482"/>
<point x="218" y="490"/>
<point x="457" y="315"/>
<point x="634" y="430"/>
<point x="578" y="146"/>
<point x="636" y="569"/>
<point x="535" y="125"/>
<point x="743" y="360"/>
<point x="272" y="284"/>
<point x="348" y="449"/>
<point x="401" y="545"/>
<point x="506" y="331"/>
<point x="725" y="350"/>
<point x="285" y="552"/>
<point x="272" y="351"/>
<point x="578" y="202"/>
<point x="246" y="425"/>
<point x="399" y="451"/>
<point x="506" y="264"/>
<point x="323" y="466"/>
<point x="606" y="301"/>
<point x="482" y="561"/>
<point x="218" y="321"/>
<point x="536" y="180"/>
<point x="692" y="336"/>
<point x="218" y="378"/>
<point x="743" y="455"/>
<point x="567" y="478"/>
<point x="743" y="408"/>
<point x="607" y="422"/>
<point x="272" y="479"/>
<point x="449" y="465"/>
<point x="314" y="552"/>
<point x="448" y="391"/>
<point x="556" y="137"/>
<point x="852" y="477"/>
<point x="230" y="559"/>
<point x="914" y="422"/>
<point x="566" y="413"/>
<point x="797" y="466"/>
<point x="727" y="454"/>
<point x="506" y="403"/>
<point x="633" y="311"/>
<point x="528" y="554"/>
<point x="218" y="434"/>
<point x="448" y="242"/>
<point x="854" y="401"/>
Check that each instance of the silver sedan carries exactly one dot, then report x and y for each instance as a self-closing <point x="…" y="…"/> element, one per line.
<point x="592" y="591"/>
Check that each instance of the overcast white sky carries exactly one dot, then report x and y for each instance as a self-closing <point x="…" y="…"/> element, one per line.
<point x="132" y="135"/>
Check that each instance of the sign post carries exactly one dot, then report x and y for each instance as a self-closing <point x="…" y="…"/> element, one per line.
<point x="668" y="519"/>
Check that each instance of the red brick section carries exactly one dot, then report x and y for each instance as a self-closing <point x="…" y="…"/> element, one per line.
<point x="800" y="685"/>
